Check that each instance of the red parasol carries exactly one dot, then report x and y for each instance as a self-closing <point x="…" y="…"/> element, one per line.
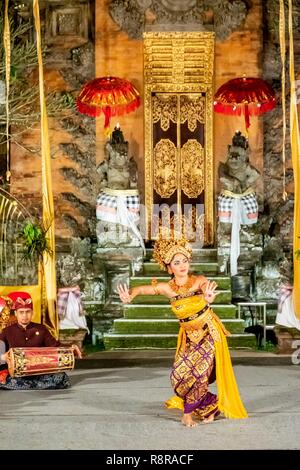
<point x="246" y="95"/>
<point x="112" y="96"/>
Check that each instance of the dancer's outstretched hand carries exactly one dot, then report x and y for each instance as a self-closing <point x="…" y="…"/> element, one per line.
<point x="124" y="293"/>
<point x="210" y="291"/>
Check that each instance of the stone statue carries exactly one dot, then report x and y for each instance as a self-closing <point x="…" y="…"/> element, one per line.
<point x="117" y="171"/>
<point x="237" y="174"/>
<point x="237" y="202"/>
<point x="118" y="203"/>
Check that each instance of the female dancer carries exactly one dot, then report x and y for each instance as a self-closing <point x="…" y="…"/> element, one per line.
<point x="202" y="350"/>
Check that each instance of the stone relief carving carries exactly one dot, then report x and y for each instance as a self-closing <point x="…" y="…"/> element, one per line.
<point x="178" y="11"/>
<point x="227" y="15"/>
<point x="129" y="16"/>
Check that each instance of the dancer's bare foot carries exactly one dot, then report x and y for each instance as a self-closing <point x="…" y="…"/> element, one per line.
<point x="188" y="421"/>
<point x="209" y="419"/>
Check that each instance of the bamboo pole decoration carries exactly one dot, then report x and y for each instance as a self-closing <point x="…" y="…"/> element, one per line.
<point x="49" y="270"/>
<point x="283" y="53"/>
<point x="7" y="49"/>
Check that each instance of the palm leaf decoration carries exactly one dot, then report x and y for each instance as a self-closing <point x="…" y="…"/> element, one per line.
<point x="35" y="240"/>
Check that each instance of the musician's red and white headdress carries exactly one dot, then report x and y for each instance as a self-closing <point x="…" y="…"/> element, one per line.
<point x="21" y="300"/>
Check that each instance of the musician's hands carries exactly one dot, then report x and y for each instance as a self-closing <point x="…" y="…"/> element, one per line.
<point x="77" y="351"/>
<point x="210" y="291"/>
<point x="124" y="293"/>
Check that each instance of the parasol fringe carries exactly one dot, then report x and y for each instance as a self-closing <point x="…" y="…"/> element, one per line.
<point x="88" y="110"/>
<point x="116" y="110"/>
<point x="254" y="110"/>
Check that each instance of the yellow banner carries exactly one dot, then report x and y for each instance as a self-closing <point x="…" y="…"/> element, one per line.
<point x="283" y="53"/>
<point x="295" y="149"/>
<point x="49" y="271"/>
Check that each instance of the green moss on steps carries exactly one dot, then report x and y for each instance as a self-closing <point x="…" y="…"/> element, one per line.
<point x="164" y="311"/>
<point x="201" y="268"/>
<point x="223" y="282"/>
<point x="223" y="297"/>
<point x="113" y="341"/>
<point x="160" y="326"/>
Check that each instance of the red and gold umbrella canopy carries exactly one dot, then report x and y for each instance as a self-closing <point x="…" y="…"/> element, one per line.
<point x="248" y="96"/>
<point x="111" y="96"/>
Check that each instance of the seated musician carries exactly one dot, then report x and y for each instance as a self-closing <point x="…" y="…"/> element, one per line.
<point x="25" y="333"/>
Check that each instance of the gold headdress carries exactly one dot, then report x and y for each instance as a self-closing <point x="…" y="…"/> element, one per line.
<point x="165" y="249"/>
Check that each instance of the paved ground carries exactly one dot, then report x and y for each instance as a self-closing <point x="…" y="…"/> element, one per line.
<point x="164" y="357"/>
<point x="122" y="408"/>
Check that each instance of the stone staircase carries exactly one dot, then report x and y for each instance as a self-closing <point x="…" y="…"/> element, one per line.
<point x="148" y="321"/>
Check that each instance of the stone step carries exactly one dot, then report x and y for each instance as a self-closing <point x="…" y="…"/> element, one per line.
<point x="164" y="311"/>
<point x="223" y="282"/>
<point x="155" y="341"/>
<point x="162" y="326"/>
<point x="211" y="267"/>
<point x="223" y="297"/>
<point x="198" y="254"/>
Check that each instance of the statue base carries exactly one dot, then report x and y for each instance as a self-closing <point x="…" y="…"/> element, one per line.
<point x="116" y="266"/>
<point x="288" y="341"/>
<point x="117" y="239"/>
<point x="119" y="260"/>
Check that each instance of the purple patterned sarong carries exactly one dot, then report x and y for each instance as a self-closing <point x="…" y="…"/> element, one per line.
<point x="191" y="374"/>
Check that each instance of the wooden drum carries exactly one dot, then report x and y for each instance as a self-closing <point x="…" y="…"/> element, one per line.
<point x="38" y="361"/>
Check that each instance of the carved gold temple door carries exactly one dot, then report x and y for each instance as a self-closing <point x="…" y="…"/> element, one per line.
<point x="178" y="131"/>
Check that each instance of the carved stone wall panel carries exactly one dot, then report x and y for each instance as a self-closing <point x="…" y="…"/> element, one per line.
<point x="192" y="168"/>
<point x="68" y="34"/>
<point x="67" y="25"/>
<point x="164" y="164"/>
<point x="221" y="16"/>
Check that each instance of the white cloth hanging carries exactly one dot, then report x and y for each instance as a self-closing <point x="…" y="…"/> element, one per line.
<point x="286" y="314"/>
<point x="70" y="310"/>
<point x="237" y="209"/>
<point x="121" y="207"/>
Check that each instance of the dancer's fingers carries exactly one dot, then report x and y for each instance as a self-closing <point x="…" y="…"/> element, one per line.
<point x="120" y="289"/>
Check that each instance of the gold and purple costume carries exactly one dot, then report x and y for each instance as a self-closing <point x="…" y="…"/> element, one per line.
<point x="202" y="350"/>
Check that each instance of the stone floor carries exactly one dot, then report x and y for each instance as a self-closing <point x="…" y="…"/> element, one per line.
<point x="122" y="408"/>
